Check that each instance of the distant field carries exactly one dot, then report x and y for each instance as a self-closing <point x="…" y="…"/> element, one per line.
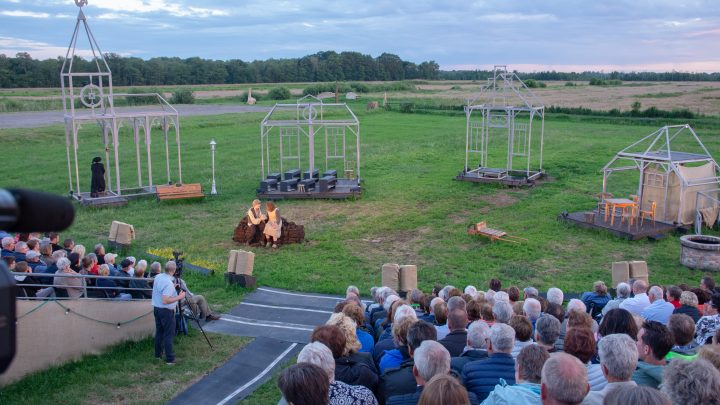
<point x="697" y="97"/>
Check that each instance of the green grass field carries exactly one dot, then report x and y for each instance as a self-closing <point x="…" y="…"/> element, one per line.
<point x="411" y="210"/>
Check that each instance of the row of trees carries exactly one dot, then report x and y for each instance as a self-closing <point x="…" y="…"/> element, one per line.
<point x="587" y="76"/>
<point x="24" y="71"/>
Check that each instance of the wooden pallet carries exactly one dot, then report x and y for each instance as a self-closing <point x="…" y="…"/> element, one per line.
<point x="179" y="191"/>
<point x="493" y="234"/>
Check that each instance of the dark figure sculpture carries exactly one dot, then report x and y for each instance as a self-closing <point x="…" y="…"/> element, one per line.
<point x="97" y="184"/>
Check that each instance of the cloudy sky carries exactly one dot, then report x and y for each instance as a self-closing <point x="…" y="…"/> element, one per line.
<point x="527" y="35"/>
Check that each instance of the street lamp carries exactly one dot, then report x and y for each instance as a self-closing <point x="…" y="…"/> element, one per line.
<point x="213" y="191"/>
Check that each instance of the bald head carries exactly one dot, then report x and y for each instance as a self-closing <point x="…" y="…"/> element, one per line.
<point x="564" y="380"/>
<point x="639" y="287"/>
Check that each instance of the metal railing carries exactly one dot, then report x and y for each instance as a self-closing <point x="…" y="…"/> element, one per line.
<point x="85" y="287"/>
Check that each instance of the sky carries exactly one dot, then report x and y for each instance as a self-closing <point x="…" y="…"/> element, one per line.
<point x="526" y="35"/>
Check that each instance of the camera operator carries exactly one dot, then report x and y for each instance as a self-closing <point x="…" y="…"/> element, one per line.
<point x="164" y="300"/>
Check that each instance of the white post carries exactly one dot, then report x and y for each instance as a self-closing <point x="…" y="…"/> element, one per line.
<point x="213" y="191"/>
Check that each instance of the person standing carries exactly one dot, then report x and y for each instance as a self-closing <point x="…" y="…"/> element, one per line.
<point x="164" y="298"/>
<point x="97" y="182"/>
<point x="274" y="224"/>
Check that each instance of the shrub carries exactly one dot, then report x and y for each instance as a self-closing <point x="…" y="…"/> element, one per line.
<point x="277" y="93"/>
<point x="534" y="84"/>
<point x="570" y="84"/>
<point x="407" y="107"/>
<point x="182" y="97"/>
<point x="141" y="100"/>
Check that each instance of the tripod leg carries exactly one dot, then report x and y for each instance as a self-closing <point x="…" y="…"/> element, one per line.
<point x="197" y="320"/>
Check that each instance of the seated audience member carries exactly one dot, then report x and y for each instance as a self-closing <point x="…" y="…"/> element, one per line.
<point x="618" y="321"/>
<point x="707" y="283"/>
<point x="711" y="353"/>
<point x="124" y="272"/>
<point x="486" y="314"/>
<point x="52" y="268"/>
<point x="23" y="282"/>
<point x="532" y="309"/>
<point x="596" y="300"/>
<point x="398" y="311"/>
<point x="431" y="359"/>
<point x="109" y="259"/>
<point x="108" y="286"/>
<point x="495" y="285"/>
<point x="340" y="393"/>
<point x="547" y="331"/>
<point x="33" y="244"/>
<point x="54" y="239"/>
<point x="618" y="359"/>
<point x="531" y="292"/>
<point x="68" y="245"/>
<point x="659" y="310"/>
<point x="703" y="298"/>
<point x="653" y="344"/>
<point x="623" y="293"/>
<point x="73" y="285"/>
<point x="386" y="297"/>
<point x="304" y="384"/>
<point x="80" y="250"/>
<point x="502" y="311"/>
<point x="366" y="340"/>
<point x="639" y="395"/>
<point x="75" y="262"/>
<point x="682" y="329"/>
<point x="100" y="253"/>
<point x="474" y="309"/>
<point x="513" y="294"/>
<point x="401" y="380"/>
<point x="688" y="306"/>
<point x="46" y="254"/>
<point x="578" y="319"/>
<point x="133" y="261"/>
<point x="95" y="266"/>
<point x="691" y="382"/>
<point x="440" y="312"/>
<point x="416" y="298"/>
<point x="555" y="295"/>
<point x="198" y="303"/>
<point x="347" y="370"/>
<point x="673" y="296"/>
<point x="478" y="334"/>
<point x="33" y="260"/>
<point x="393" y="358"/>
<point x="481" y="376"/>
<point x="8" y="246"/>
<point x="710" y="323"/>
<point x="446" y="390"/>
<point x="456" y="340"/>
<point x="139" y="281"/>
<point x="639" y="301"/>
<point x="523" y="333"/>
<point x="155" y="269"/>
<point x="556" y="310"/>
<point x="383" y="327"/>
<point x="528" y="372"/>
<point x="580" y="343"/>
<point x="21" y="249"/>
<point x="563" y="380"/>
<point x="456" y="302"/>
<point x="348" y="327"/>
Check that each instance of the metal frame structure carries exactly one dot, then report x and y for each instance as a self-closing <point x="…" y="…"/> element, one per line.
<point x="656" y="150"/>
<point x="88" y="97"/>
<point x="507" y="104"/>
<point x="710" y="196"/>
<point x="309" y="116"/>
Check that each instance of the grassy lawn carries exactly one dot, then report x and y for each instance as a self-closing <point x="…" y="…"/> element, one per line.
<point x="411" y="212"/>
<point x="127" y="373"/>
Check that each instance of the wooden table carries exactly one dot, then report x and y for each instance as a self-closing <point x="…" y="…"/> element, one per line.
<point x="615" y="203"/>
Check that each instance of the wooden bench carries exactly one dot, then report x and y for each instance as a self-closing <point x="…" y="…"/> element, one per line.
<point x="326" y="183"/>
<point x="179" y="191"/>
<point x="289" y="185"/>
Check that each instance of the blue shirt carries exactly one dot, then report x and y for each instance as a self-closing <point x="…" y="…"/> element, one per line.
<point x="366" y="341"/>
<point x="659" y="311"/>
<point x="163" y="285"/>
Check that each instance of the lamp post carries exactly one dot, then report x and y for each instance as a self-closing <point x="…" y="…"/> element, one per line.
<point x="213" y="191"/>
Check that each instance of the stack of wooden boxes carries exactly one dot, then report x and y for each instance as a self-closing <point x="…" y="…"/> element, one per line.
<point x="240" y="268"/>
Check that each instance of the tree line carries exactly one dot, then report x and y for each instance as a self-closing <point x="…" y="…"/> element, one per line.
<point x="24" y="71"/>
<point x="588" y="76"/>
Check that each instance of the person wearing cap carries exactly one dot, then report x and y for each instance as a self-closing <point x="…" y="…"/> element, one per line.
<point x="255" y="218"/>
<point x="124" y="272"/>
<point x="97" y="181"/>
<point x="33" y="260"/>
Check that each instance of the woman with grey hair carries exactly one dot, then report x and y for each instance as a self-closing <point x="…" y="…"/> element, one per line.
<point x="72" y="285"/>
<point x="340" y="393"/>
<point x="688" y="306"/>
<point x="691" y="382"/>
<point x="623" y="292"/>
<point x="503" y="311"/>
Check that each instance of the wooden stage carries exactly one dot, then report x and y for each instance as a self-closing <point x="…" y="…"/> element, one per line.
<point x="499" y="176"/>
<point x="649" y="229"/>
<point x="344" y="189"/>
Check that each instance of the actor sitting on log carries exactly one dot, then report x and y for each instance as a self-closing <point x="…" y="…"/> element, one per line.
<point x="255" y="218"/>
<point x="273" y="226"/>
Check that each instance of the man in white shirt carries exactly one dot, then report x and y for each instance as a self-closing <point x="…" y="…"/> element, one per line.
<point x="164" y="300"/>
<point x="640" y="301"/>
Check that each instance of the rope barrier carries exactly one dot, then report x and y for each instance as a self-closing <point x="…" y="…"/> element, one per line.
<point x="69" y="311"/>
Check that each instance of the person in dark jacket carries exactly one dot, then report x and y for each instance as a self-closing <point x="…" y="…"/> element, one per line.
<point x="456" y="340"/>
<point x="108" y="286"/>
<point x="596" y="300"/>
<point x="97" y="181"/>
<point x="688" y="306"/>
<point x="480" y="377"/>
<point x="399" y="381"/>
<point x="348" y="370"/>
<point x="477" y="336"/>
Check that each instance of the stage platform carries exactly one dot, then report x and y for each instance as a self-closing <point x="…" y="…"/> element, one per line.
<point x="649" y="229"/>
<point x="514" y="178"/>
<point x="344" y="189"/>
<point x="112" y="199"/>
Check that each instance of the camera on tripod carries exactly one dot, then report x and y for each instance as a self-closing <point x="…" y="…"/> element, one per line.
<point x="179" y="263"/>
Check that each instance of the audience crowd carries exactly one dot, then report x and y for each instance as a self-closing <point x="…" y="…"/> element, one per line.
<point x="646" y="345"/>
<point x="51" y="269"/>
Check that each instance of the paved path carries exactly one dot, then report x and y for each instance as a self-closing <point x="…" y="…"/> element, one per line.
<point x="281" y="322"/>
<point x="34" y="119"/>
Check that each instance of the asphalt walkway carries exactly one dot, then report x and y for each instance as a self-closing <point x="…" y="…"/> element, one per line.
<point x="281" y="322"/>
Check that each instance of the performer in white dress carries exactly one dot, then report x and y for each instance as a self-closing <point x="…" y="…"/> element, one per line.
<point x="274" y="223"/>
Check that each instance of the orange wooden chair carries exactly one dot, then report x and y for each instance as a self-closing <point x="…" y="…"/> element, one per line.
<point x="648" y="213"/>
<point x="601" y="197"/>
<point x="630" y="212"/>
